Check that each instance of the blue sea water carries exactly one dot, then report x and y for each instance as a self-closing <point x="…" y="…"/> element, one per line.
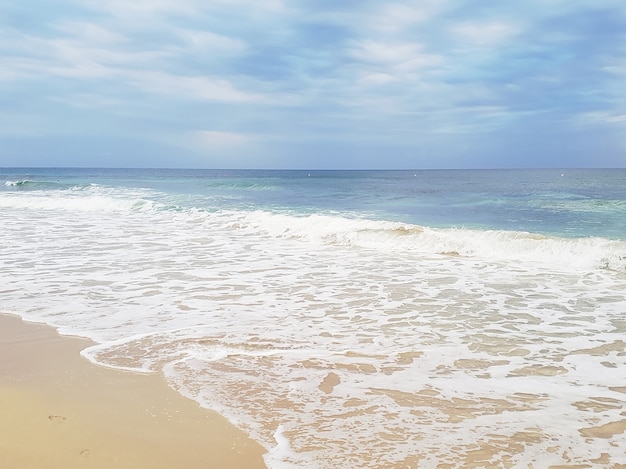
<point x="568" y="202"/>
<point x="346" y="318"/>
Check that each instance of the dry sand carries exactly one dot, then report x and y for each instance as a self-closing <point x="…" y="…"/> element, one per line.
<point x="57" y="410"/>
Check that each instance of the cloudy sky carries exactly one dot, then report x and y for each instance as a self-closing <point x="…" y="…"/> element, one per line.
<point x="313" y="83"/>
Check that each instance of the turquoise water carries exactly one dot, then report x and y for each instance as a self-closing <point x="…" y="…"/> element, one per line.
<point x="346" y="318"/>
<point x="571" y="203"/>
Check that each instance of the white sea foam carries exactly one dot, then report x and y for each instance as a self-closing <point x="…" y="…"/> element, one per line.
<point x="282" y="456"/>
<point x="583" y="253"/>
<point x="20" y="182"/>
<point x="336" y="341"/>
<point x="81" y="199"/>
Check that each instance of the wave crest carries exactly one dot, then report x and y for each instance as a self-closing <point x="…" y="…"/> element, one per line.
<point x="494" y="245"/>
<point x="19" y="183"/>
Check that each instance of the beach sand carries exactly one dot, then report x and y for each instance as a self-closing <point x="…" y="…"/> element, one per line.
<point x="58" y="410"/>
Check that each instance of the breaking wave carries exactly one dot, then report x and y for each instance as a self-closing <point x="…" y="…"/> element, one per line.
<point x="341" y="229"/>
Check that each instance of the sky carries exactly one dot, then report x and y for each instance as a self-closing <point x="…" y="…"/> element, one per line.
<point x="311" y="84"/>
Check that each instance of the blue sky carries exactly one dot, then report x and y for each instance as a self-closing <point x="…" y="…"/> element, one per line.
<point x="313" y="83"/>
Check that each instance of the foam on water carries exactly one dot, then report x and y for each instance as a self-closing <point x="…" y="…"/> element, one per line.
<point x="486" y="244"/>
<point x="91" y="198"/>
<point x="336" y="341"/>
<point x="21" y="182"/>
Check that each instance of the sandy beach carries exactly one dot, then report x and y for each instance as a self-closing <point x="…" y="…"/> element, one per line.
<point x="61" y="411"/>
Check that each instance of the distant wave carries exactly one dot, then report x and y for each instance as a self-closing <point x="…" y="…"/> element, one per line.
<point x="76" y="198"/>
<point x="31" y="185"/>
<point x="245" y="185"/>
<point x="588" y="205"/>
<point x="19" y="183"/>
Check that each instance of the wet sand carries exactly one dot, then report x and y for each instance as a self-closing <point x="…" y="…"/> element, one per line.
<point x="58" y="410"/>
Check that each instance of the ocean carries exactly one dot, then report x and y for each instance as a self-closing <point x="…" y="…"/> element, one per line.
<point x="383" y="319"/>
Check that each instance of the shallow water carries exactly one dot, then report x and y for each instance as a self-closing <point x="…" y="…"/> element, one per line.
<point x="337" y="330"/>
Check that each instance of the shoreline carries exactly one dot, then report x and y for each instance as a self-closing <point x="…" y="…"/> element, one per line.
<point x="61" y="411"/>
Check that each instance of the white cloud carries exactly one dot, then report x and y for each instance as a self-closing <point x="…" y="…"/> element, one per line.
<point x="396" y="17"/>
<point x="396" y="63"/>
<point x="616" y="118"/>
<point x="92" y="52"/>
<point x="91" y="33"/>
<point x="485" y="34"/>
<point x="617" y="68"/>
<point x="133" y="10"/>
<point x="129" y="12"/>
<point x="84" y="51"/>
<point x="221" y="148"/>
<point x="208" y="42"/>
<point x="337" y="70"/>
<point x="601" y="117"/>
<point x="376" y="78"/>
<point x="380" y="19"/>
<point x="218" y="139"/>
<point x="74" y="53"/>
<point x="189" y="87"/>
<point x="393" y="53"/>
